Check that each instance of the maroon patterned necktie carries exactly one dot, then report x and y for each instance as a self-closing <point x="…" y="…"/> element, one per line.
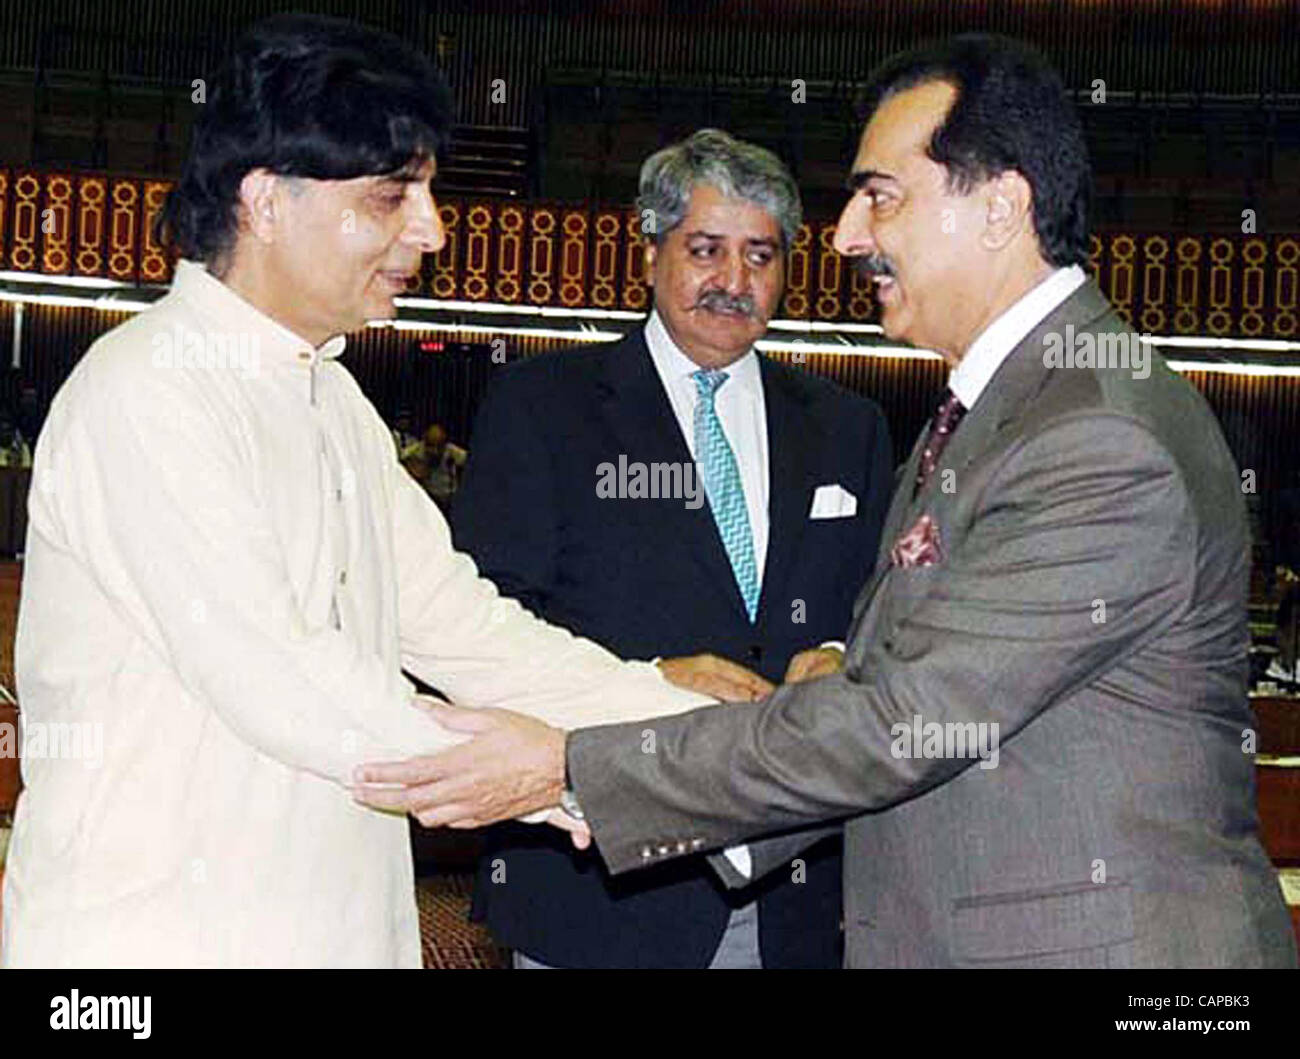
<point x="942" y="427"/>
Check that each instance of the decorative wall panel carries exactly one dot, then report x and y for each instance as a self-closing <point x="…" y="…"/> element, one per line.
<point x="577" y="256"/>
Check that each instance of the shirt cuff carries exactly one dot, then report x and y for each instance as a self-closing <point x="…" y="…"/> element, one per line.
<point x="740" y="860"/>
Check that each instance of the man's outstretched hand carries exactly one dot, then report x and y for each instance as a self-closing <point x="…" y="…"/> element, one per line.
<point x="720" y="678"/>
<point x="513" y="765"/>
<point x="813" y="663"/>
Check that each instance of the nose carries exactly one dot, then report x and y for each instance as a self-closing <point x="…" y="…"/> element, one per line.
<point x="736" y="275"/>
<point x="423" y="227"/>
<point x="853" y="229"/>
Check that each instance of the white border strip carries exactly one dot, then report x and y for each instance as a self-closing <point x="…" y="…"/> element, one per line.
<point x="1228" y="368"/>
<point x="105" y="302"/>
<point x="479" y="329"/>
<point x="112" y="303"/>
<point x="83" y="282"/>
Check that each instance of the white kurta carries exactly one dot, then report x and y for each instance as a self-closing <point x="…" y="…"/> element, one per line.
<point x="227" y="569"/>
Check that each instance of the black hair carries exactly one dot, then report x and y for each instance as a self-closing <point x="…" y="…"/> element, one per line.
<point x="1011" y="112"/>
<point x="305" y="96"/>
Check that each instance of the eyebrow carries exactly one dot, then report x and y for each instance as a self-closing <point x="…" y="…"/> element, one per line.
<point x="862" y="177"/>
<point x="717" y="237"/>
<point x="409" y="174"/>
<point x="406" y="178"/>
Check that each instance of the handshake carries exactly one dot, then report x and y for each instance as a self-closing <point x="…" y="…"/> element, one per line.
<point x="728" y="682"/>
<point x="513" y="766"/>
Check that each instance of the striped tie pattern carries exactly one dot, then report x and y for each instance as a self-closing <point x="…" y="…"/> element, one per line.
<point x="723" y="487"/>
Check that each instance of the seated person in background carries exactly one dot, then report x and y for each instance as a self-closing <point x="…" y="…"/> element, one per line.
<point x="444" y="462"/>
<point x="406" y="443"/>
<point x="14" y="450"/>
<point x="1285" y="666"/>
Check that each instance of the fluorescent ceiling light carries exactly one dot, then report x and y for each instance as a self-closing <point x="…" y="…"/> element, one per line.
<point x="846" y="349"/>
<point x="1259" y="345"/>
<point x="91" y="282"/>
<point x="110" y="302"/>
<point x="72" y="301"/>
<point x="505" y="308"/>
<point x="1226" y="368"/>
<point x="479" y="329"/>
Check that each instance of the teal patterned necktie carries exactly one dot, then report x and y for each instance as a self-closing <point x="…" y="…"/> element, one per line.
<point x="723" y="487"/>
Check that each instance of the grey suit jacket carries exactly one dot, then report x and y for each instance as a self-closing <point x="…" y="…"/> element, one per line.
<point x="1090" y="602"/>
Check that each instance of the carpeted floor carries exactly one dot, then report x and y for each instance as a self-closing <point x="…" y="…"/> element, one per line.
<point x="447" y="937"/>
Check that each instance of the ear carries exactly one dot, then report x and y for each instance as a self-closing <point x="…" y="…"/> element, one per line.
<point x="259" y="203"/>
<point x="1009" y="207"/>
<point x="651" y="254"/>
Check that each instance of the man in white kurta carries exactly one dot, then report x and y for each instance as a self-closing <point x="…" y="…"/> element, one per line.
<point x="227" y="569"/>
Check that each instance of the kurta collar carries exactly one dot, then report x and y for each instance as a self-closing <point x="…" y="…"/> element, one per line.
<point x="212" y="298"/>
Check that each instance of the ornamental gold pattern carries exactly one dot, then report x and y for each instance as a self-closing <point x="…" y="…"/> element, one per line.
<point x="576" y="256"/>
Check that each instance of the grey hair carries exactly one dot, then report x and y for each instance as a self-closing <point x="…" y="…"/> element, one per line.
<point x="739" y="170"/>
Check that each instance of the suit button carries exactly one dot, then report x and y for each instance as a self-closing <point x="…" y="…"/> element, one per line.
<point x="756" y="653"/>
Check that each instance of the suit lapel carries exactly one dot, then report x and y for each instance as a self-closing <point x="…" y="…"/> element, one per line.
<point x="898" y="508"/>
<point x="791" y="438"/>
<point x="1019" y="378"/>
<point x="1009" y="393"/>
<point x="640" y="417"/>
<point x="901" y="502"/>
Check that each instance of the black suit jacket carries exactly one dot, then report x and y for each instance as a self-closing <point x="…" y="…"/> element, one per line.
<point x="647" y="578"/>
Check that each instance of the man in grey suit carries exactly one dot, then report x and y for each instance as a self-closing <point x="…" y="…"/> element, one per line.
<point x="1035" y="747"/>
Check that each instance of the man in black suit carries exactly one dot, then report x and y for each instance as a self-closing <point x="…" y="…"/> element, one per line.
<point x="679" y="496"/>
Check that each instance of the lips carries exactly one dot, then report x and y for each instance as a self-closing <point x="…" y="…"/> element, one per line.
<point x="886" y="288"/>
<point x="396" y="280"/>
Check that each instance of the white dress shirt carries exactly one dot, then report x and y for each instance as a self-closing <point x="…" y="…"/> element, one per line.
<point x="743" y="413"/>
<point x="996" y="341"/>
<point x="741" y="410"/>
<point x="227" y="570"/>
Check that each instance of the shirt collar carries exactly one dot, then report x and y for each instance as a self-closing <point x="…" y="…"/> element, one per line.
<point x="672" y="364"/>
<point x="213" y="299"/>
<point x="996" y="341"/>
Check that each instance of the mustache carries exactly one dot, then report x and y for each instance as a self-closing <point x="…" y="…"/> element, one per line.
<point x="868" y="265"/>
<point x="721" y="301"/>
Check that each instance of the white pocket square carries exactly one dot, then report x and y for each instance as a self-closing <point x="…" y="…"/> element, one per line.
<point x="833" y="501"/>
